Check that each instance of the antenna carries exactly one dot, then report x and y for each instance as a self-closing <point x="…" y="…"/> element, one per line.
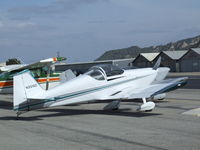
<point x="58" y="54"/>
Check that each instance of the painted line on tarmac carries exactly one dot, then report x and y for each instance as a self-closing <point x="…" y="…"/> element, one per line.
<point x="193" y="112"/>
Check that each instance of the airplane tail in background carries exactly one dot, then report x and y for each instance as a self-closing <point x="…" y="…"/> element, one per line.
<point x="25" y="88"/>
<point x="157" y="64"/>
<point x="161" y="71"/>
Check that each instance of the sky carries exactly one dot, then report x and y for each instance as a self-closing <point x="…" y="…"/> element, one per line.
<point x="82" y="30"/>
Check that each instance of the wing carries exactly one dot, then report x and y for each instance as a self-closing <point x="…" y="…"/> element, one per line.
<point x="151" y="90"/>
<point x="11" y="67"/>
<point x="39" y="64"/>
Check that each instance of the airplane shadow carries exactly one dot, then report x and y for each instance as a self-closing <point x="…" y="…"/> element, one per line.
<point x="6" y="105"/>
<point x="133" y="101"/>
<point x="70" y="112"/>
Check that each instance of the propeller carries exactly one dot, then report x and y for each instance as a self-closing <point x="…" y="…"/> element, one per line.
<point x="48" y="76"/>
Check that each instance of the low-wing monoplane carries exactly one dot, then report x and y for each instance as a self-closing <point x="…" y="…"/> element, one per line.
<point x="104" y="82"/>
<point x="41" y="71"/>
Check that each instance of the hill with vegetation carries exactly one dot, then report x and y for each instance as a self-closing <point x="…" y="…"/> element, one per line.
<point x="133" y="51"/>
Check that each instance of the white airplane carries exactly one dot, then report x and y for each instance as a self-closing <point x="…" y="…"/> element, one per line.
<point x="106" y="82"/>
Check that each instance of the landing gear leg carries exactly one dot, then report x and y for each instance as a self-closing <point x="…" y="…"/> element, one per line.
<point x="144" y="100"/>
<point x="114" y="105"/>
<point x="19" y="113"/>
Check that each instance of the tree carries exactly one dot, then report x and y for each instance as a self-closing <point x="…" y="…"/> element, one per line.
<point x="13" y="61"/>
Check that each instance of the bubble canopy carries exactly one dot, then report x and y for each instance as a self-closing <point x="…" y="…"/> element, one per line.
<point x="101" y="72"/>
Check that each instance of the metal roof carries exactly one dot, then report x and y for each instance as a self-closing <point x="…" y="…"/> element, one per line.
<point x="175" y="54"/>
<point x="149" y="56"/>
<point x="197" y="50"/>
<point x="98" y="61"/>
<point x="126" y="59"/>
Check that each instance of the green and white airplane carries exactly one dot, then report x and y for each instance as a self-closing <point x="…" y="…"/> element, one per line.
<point x="41" y="71"/>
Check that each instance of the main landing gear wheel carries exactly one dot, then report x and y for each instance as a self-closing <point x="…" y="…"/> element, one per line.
<point x="114" y="105"/>
<point x="146" y="106"/>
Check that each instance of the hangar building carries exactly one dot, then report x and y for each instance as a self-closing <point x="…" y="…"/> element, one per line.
<point x="144" y="60"/>
<point x="84" y="66"/>
<point x="171" y="59"/>
<point x="190" y="62"/>
<point x="177" y="61"/>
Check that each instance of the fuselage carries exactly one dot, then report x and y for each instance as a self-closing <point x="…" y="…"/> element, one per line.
<point x="88" y="87"/>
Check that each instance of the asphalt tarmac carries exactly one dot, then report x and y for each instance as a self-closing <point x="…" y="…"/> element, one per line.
<point x="88" y="127"/>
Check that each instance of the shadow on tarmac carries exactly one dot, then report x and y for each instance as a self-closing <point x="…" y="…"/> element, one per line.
<point x="6" y="105"/>
<point x="71" y="112"/>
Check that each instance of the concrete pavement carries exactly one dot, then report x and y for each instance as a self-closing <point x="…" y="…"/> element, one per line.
<point x="87" y="126"/>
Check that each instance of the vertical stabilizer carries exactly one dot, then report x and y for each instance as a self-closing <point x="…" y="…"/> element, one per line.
<point x="25" y="87"/>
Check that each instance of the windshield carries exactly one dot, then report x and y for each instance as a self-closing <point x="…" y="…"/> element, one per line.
<point x="96" y="74"/>
<point x="101" y="72"/>
<point x="111" y="70"/>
